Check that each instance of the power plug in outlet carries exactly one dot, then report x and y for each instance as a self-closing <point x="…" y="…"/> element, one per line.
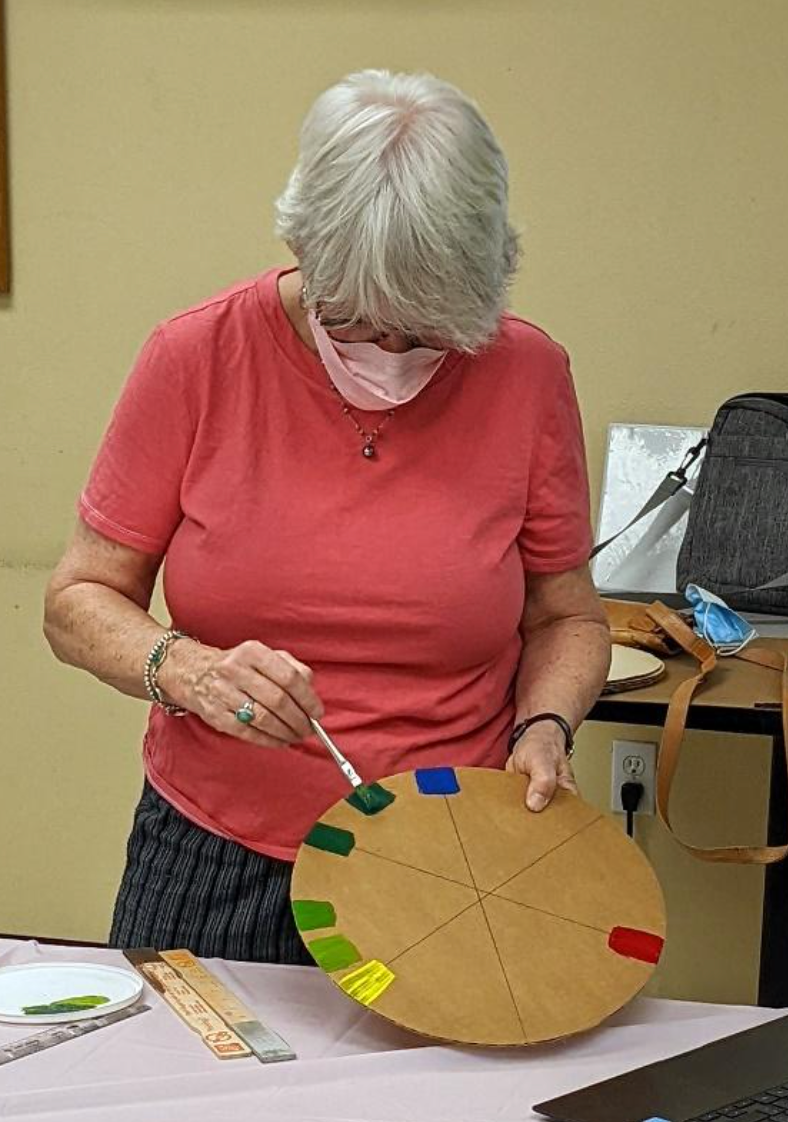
<point x="634" y="761"/>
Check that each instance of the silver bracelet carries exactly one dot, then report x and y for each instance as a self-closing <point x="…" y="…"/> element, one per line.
<point x="153" y="664"/>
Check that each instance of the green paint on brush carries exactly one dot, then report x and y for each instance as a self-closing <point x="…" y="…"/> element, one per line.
<point x="311" y="914"/>
<point x="330" y="838"/>
<point x="66" y="1005"/>
<point x="334" y="952"/>
<point x="371" y="798"/>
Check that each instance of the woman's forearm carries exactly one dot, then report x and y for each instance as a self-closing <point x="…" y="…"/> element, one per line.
<point x="97" y="618"/>
<point x="96" y="615"/>
<point x="563" y="667"/>
<point x="98" y="629"/>
<point x="105" y="632"/>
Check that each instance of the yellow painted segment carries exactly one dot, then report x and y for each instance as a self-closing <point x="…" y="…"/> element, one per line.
<point x="368" y="982"/>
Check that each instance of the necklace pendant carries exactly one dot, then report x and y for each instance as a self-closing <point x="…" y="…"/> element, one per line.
<point x="368" y="450"/>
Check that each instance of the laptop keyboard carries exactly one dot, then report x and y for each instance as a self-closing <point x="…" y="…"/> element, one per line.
<point x="767" y="1106"/>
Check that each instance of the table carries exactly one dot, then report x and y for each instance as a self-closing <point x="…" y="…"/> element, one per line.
<point x="740" y="698"/>
<point x="352" y="1066"/>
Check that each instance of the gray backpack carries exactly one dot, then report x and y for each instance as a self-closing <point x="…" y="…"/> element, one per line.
<point x="736" y="543"/>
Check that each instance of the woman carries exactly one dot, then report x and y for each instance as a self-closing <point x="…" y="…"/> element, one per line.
<point x="352" y="470"/>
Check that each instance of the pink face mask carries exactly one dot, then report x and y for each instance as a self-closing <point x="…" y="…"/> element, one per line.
<point x="369" y="377"/>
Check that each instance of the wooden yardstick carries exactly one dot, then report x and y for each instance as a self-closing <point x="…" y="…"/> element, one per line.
<point x="267" y="1045"/>
<point x="192" y="1009"/>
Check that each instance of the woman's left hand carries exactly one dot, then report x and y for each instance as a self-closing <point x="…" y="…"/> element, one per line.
<point x="541" y="755"/>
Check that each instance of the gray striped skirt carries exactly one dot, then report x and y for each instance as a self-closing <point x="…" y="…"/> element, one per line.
<point x="185" y="887"/>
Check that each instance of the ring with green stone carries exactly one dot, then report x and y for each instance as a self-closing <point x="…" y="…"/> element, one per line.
<point x="246" y="713"/>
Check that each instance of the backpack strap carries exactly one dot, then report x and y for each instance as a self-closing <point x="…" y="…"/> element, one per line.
<point x="775" y="582"/>
<point x="676" y="723"/>
<point x="673" y="482"/>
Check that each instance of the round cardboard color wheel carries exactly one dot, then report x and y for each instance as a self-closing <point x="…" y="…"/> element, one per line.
<point x="447" y="908"/>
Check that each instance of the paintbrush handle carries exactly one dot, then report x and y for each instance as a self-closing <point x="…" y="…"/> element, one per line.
<point x="343" y="764"/>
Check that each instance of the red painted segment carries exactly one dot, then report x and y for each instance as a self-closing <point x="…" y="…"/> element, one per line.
<point x="631" y="943"/>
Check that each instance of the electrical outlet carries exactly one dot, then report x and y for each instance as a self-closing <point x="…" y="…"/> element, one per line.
<point x="634" y="761"/>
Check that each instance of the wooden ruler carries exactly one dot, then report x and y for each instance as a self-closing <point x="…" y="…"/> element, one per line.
<point x="192" y="1009"/>
<point x="267" y="1045"/>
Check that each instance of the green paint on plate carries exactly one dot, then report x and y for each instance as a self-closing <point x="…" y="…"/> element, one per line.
<point x="65" y="1005"/>
<point x="311" y="914"/>
<point x="371" y="798"/>
<point x="334" y="952"/>
<point x="330" y="838"/>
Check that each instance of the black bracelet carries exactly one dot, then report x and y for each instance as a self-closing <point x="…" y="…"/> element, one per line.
<point x="563" y="724"/>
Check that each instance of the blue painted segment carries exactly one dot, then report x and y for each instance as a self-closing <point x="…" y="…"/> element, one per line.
<point x="437" y="781"/>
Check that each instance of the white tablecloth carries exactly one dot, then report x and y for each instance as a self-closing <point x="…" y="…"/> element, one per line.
<point x="352" y="1065"/>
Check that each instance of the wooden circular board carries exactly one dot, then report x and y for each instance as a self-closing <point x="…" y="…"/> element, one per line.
<point x="453" y="911"/>
<point x="632" y="669"/>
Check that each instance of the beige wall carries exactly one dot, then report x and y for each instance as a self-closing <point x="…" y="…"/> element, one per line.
<point x="649" y="171"/>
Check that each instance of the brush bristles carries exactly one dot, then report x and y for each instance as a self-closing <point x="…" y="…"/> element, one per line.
<point x="370" y="798"/>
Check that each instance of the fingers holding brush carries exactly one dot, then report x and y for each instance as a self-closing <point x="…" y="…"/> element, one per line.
<point x="249" y="691"/>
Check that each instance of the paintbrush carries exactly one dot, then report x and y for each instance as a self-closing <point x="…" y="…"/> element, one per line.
<point x="342" y="762"/>
<point x="363" y="792"/>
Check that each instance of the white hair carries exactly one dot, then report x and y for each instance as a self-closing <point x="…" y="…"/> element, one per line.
<point x="397" y="209"/>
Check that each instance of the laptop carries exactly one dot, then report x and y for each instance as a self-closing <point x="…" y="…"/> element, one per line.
<point x="742" y="1077"/>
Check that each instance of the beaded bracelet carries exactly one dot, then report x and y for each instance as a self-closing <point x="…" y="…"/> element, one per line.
<point x="153" y="665"/>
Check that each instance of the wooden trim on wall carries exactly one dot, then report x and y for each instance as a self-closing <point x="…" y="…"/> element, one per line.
<point x="5" y="232"/>
<point x="49" y="941"/>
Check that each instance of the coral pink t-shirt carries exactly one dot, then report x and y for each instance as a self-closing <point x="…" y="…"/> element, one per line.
<point x="400" y="580"/>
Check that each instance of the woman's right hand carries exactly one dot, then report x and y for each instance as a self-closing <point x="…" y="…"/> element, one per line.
<point x="214" y="683"/>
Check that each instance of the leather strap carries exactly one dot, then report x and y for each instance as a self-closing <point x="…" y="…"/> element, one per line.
<point x="672" y="624"/>
<point x="676" y="722"/>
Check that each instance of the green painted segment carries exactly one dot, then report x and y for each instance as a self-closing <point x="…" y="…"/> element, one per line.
<point x="65" y="1005"/>
<point x="371" y="798"/>
<point x="311" y="914"/>
<point x="334" y="952"/>
<point x="330" y="838"/>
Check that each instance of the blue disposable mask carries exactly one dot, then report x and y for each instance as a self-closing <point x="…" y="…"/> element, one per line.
<point x="725" y="629"/>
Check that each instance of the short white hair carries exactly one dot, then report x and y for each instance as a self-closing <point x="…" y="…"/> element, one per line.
<point x="397" y="210"/>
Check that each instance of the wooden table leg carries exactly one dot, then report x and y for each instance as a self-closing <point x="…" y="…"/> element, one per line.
<point x="773" y="980"/>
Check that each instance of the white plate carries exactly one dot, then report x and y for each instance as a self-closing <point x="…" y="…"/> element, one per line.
<point x="40" y="983"/>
